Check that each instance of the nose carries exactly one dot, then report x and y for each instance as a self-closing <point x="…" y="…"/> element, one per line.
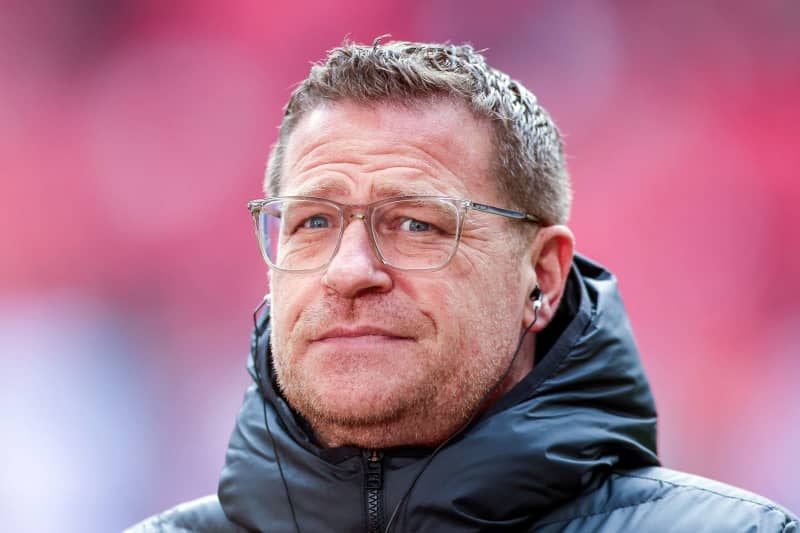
<point x="356" y="269"/>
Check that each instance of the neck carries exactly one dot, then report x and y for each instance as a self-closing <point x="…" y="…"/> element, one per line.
<point x="521" y="366"/>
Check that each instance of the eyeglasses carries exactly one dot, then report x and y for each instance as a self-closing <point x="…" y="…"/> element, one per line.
<point x="303" y="233"/>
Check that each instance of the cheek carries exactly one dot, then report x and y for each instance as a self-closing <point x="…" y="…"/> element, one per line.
<point x="437" y="297"/>
<point x="469" y="309"/>
<point x="290" y="294"/>
<point x="488" y="307"/>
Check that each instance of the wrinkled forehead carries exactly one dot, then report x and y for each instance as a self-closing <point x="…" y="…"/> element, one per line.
<point x="432" y="147"/>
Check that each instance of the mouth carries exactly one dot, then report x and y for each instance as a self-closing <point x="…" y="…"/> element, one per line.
<point x="359" y="334"/>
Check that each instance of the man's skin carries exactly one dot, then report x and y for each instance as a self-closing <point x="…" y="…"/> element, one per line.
<point x="376" y="357"/>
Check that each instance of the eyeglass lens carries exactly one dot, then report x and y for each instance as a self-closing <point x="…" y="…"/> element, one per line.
<point x="413" y="234"/>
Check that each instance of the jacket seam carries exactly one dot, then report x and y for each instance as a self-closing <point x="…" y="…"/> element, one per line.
<point x="788" y="520"/>
<point x="603" y="512"/>
<point x="703" y="489"/>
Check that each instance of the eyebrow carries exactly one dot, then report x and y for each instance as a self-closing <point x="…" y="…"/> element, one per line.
<point x="413" y="188"/>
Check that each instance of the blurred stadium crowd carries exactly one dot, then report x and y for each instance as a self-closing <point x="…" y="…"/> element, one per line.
<point x="132" y="134"/>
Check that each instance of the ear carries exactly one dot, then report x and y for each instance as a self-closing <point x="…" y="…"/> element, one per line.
<point x="550" y="261"/>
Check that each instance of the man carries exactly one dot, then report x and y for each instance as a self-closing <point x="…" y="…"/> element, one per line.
<point x="434" y="356"/>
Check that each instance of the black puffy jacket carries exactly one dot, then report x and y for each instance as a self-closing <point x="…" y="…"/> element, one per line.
<point x="571" y="448"/>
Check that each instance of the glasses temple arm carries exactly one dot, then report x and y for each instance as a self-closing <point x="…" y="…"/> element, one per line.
<point x="509" y="213"/>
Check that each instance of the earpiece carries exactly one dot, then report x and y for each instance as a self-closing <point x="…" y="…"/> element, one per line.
<point x="536" y="298"/>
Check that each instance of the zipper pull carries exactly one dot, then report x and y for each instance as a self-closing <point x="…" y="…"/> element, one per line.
<point x="374" y="478"/>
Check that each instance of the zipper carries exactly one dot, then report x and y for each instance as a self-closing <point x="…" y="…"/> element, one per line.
<point x="373" y="485"/>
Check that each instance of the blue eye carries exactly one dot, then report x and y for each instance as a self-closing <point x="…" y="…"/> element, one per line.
<point x="316" y="222"/>
<point x="411" y="224"/>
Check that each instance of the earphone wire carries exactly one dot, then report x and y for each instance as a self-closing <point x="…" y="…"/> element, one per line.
<point x="466" y="425"/>
<point x="254" y="349"/>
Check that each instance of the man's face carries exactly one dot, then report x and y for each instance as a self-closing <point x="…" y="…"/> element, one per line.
<point x="378" y="357"/>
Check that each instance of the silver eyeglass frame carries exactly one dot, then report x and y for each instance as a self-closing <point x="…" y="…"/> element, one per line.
<point x="347" y="212"/>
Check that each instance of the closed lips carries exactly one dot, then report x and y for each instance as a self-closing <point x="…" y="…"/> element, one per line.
<point x="364" y="331"/>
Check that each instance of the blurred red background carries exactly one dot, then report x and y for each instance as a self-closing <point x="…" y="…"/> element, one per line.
<point x="132" y="134"/>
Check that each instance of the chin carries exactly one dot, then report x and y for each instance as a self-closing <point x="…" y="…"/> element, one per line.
<point x="364" y="401"/>
<point x="352" y="402"/>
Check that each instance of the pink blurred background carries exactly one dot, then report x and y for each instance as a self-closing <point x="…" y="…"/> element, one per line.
<point x="132" y="134"/>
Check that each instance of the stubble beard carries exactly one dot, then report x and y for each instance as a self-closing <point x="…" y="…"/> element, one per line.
<point x="447" y="388"/>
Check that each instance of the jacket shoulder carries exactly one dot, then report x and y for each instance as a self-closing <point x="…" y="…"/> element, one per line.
<point x="660" y="499"/>
<point x="204" y="515"/>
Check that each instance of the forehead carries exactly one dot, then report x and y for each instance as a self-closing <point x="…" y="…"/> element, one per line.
<point x="432" y="147"/>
